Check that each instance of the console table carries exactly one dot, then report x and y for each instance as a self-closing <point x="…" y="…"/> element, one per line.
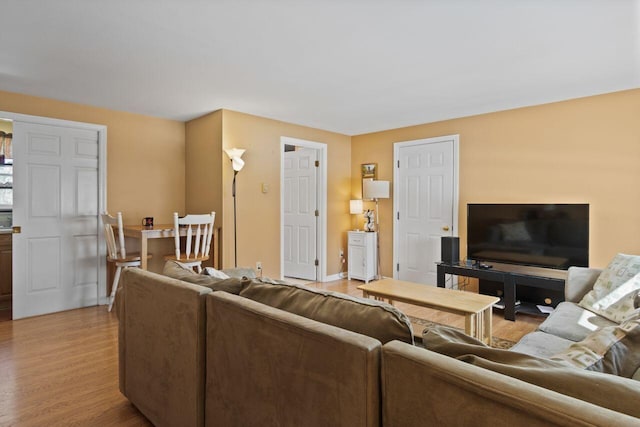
<point x="511" y="276"/>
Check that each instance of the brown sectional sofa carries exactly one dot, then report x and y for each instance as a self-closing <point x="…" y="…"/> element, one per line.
<point x="192" y="356"/>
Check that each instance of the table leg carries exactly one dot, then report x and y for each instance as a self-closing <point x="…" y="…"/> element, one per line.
<point x="440" y="278"/>
<point x="488" y="318"/>
<point x="143" y="252"/>
<point x="509" y="297"/>
<point x="470" y="326"/>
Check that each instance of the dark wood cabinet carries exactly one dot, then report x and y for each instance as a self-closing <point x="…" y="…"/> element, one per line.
<point x="6" y="274"/>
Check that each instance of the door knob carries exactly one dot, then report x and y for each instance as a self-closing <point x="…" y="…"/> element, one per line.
<point x="16" y="229"/>
<point x="445" y="228"/>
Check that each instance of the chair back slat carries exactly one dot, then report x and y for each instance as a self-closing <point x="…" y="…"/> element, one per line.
<point x="199" y="231"/>
<point x="115" y="248"/>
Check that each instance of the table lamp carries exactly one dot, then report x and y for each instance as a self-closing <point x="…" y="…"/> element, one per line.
<point x="356" y="208"/>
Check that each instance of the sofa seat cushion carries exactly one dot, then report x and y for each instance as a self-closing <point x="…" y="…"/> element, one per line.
<point x="233" y="285"/>
<point x="612" y="350"/>
<point x="609" y="391"/>
<point x="572" y="322"/>
<point x="541" y="344"/>
<point x="365" y="316"/>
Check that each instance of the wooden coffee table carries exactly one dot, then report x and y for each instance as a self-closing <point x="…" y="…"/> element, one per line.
<point x="476" y="308"/>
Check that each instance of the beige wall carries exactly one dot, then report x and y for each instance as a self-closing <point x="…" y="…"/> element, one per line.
<point x="145" y="159"/>
<point x="258" y="213"/>
<point x="579" y="151"/>
<point x="204" y="166"/>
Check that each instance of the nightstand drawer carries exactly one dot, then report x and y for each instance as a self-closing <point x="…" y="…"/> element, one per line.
<point x="356" y="239"/>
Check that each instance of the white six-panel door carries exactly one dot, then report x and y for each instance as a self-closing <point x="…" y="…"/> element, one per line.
<point x="425" y="189"/>
<point x="299" y="208"/>
<point x="56" y="203"/>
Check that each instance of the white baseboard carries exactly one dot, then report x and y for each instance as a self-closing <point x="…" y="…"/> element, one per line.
<point x="334" y="277"/>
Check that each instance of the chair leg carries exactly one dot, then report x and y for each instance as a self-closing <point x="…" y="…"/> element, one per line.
<point x="114" y="287"/>
<point x="199" y="268"/>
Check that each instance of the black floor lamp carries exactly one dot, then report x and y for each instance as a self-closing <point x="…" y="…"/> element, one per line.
<point x="237" y="163"/>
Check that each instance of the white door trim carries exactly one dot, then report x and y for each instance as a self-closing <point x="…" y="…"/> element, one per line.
<point x="102" y="182"/>
<point x="321" y="243"/>
<point x="456" y="180"/>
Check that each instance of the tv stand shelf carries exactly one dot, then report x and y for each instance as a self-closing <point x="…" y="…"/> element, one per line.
<point x="511" y="276"/>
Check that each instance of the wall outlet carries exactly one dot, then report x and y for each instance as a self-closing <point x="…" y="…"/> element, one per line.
<point x="259" y="265"/>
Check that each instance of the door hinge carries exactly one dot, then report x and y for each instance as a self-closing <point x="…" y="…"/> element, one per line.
<point x="398" y="164"/>
<point x="398" y="267"/>
<point x="317" y="163"/>
<point x="398" y="215"/>
<point x="316" y="263"/>
<point x="317" y="212"/>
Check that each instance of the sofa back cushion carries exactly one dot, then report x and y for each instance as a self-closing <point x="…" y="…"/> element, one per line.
<point x="233" y="285"/>
<point x="369" y="317"/>
<point x="269" y="367"/>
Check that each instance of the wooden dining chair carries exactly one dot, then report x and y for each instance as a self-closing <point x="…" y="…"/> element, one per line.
<point x="198" y="231"/>
<point x="116" y="251"/>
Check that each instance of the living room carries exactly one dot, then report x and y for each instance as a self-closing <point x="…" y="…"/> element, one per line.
<point x="576" y="147"/>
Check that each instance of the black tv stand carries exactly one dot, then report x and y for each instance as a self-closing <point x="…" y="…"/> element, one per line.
<point x="511" y="276"/>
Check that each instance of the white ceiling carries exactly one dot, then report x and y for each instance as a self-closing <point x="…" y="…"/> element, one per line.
<point x="349" y="66"/>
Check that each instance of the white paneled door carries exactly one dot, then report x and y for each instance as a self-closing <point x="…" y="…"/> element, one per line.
<point x="426" y="200"/>
<point x="55" y="256"/>
<point x="299" y="210"/>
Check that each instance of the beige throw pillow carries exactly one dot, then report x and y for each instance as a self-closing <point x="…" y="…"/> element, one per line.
<point x="615" y="289"/>
<point x="611" y="350"/>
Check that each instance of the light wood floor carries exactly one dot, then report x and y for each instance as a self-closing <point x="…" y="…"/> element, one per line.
<point x="62" y="369"/>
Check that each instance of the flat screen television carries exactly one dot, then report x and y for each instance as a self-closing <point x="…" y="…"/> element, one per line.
<point x="542" y="235"/>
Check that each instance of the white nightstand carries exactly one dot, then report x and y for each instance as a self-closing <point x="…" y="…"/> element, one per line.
<point x="362" y="255"/>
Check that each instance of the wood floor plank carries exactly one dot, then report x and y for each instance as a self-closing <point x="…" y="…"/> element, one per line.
<point x="62" y="369"/>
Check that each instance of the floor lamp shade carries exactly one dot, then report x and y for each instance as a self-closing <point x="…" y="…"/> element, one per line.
<point x="375" y="190"/>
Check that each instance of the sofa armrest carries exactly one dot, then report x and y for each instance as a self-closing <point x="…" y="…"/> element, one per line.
<point x="421" y="387"/>
<point x="161" y="345"/>
<point x="580" y="280"/>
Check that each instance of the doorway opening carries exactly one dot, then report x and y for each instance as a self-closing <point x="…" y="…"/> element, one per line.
<point x="6" y="209"/>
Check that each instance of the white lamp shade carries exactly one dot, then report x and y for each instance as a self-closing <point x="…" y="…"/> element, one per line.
<point x="355" y="207"/>
<point x="375" y="189"/>
<point x="235" y="155"/>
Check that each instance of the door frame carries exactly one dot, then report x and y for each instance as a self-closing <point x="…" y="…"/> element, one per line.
<point x="321" y="191"/>
<point x="455" y="139"/>
<point x="102" y="184"/>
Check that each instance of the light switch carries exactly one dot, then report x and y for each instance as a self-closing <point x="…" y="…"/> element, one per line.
<point x="265" y="188"/>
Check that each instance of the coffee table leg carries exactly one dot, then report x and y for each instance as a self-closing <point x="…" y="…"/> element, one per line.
<point x="478" y="325"/>
<point x="487" y="325"/>
<point x="470" y="326"/>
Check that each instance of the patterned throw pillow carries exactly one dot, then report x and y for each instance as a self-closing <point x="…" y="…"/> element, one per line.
<point x="611" y="350"/>
<point x="614" y="292"/>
